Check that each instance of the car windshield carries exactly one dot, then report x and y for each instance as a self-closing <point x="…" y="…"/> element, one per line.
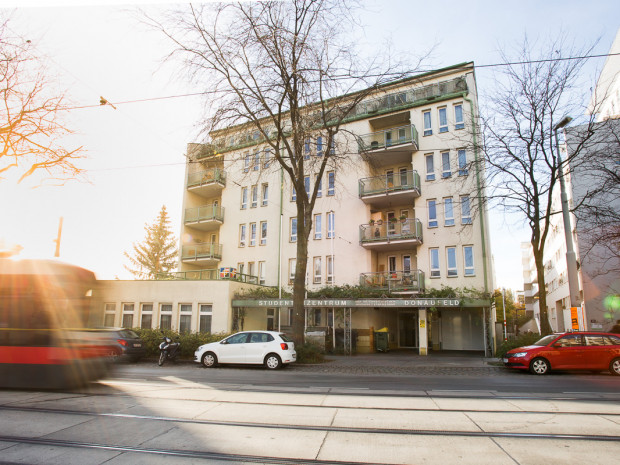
<point x="285" y="338"/>
<point x="127" y="333"/>
<point x="545" y="340"/>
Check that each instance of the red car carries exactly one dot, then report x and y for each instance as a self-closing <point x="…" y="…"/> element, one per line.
<point x="568" y="351"/>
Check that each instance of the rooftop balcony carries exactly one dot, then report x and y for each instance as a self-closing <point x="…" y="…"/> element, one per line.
<point x="389" y="146"/>
<point x="385" y="236"/>
<point x="394" y="281"/>
<point x="390" y="189"/>
<point x="205" y="218"/>
<point x="208" y="183"/>
<point x="202" y="254"/>
<point x="211" y="274"/>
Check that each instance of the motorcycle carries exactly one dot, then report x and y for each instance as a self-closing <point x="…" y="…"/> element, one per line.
<point x="168" y="350"/>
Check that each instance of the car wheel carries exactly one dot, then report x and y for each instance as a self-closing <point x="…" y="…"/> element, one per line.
<point x="614" y="367"/>
<point x="273" y="361"/>
<point x="539" y="366"/>
<point x="162" y="358"/>
<point x="209" y="360"/>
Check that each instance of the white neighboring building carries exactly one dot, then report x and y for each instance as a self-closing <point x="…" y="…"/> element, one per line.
<point x="605" y="99"/>
<point x="401" y="217"/>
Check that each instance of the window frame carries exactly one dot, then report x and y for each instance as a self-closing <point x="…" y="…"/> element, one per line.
<point x="252" y="238"/>
<point x="459" y="123"/>
<point x="264" y="194"/>
<point x="244" y="198"/>
<point x="329" y="269"/>
<point x="263" y="233"/>
<point x="448" y="211"/>
<point x="202" y="312"/>
<point x="183" y="314"/>
<point x="451" y="268"/>
<point x="465" y="219"/>
<point x="261" y="272"/>
<point x="292" y="264"/>
<point x="428" y="130"/>
<point x="242" y="234"/>
<point x="431" y="210"/>
<point x="331" y="183"/>
<point x="331" y="225"/>
<point x="317" y="270"/>
<point x="254" y="196"/>
<point x="446" y="169"/>
<point x="442" y="113"/>
<point x="462" y="162"/>
<point x="318" y="226"/>
<point x="469" y="270"/>
<point x="293" y="227"/>
<point x="433" y="256"/>
<point x="430" y="174"/>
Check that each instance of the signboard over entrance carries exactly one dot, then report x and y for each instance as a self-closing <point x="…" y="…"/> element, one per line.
<point x="389" y="303"/>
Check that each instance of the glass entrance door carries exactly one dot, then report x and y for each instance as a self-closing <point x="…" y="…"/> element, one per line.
<point x="408" y="329"/>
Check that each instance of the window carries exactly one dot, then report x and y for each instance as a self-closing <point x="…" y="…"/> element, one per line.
<point x="271" y="316"/>
<point x="404" y="177"/>
<point x="319" y="146"/>
<point x="185" y="318"/>
<point x="432" y="213"/>
<point x="242" y="235"/>
<point x="330" y="269"/>
<point x="465" y="210"/>
<point x="292" y="262"/>
<point x="206" y="315"/>
<point x="267" y="158"/>
<point x="293" y="194"/>
<point x="261" y="273"/>
<point x="128" y="315"/>
<point x="332" y="146"/>
<point x="446" y="172"/>
<point x="265" y="195"/>
<point x="165" y="317"/>
<point x="468" y="260"/>
<point x="256" y="165"/>
<point x="316" y="273"/>
<point x="307" y="149"/>
<point x="407" y="264"/>
<point x="240" y="267"/>
<point x="252" y="234"/>
<point x="319" y="191"/>
<point x="146" y="319"/>
<point x="428" y="128"/>
<point x="392" y="264"/>
<point x="254" y="196"/>
<point x="331" y="183"/>
<point x="451" y="261"/>
<point x="317" y="226"/>
<point x="293" y="237"/>
<point x="251" y="270"/>
<point x="246" y="162"/>
<point x="448" y="211"/>
<point x="458" y="117"/>
<point x="331" y="225"/>
<point x="434" y="261"/>
<point x="430" y="167"/>
<point x="443" y="120"/>
<point x="462" y="155"/>
<point x="307" y="185"/>
<point x="263" y="233"/>
<point x="244" y="198"/>
<point x="110" y="314"/>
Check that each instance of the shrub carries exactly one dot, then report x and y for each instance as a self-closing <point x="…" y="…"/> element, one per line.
<point x="309" y="353"/>
<point x="526" y="339"/>
<point x="189" y="341"/>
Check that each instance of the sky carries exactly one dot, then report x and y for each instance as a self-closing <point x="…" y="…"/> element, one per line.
<point x="135" y="153"/>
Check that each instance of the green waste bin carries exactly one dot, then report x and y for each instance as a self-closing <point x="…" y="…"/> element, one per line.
<point x="381" y="341"/>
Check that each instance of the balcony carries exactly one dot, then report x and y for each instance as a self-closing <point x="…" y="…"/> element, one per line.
<point x="202" y="254"/>
<point x="390" y="189"/>
<point x="384" y="236"/>
<point x="208" y="183"/>
<point x="394" y="281"/>
<point x="389" y="146"/>
<point x="205" y="218"/>
<point x="211" y="274"/>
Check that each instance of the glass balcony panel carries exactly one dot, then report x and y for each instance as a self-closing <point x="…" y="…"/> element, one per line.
<point x="204" y="213"/>
<point x="201" y="252"/>
<point x="391" y="231"/>
<point x="397" y="281"/>
<point x="387" y="138"/>
<point x="393" y="182"/>
<point x="201" y="178"/>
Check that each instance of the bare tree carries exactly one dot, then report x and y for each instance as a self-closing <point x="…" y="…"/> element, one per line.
<point x="31" y="129"/>
<point x="531" y="96"/>
<point x="285" y="71"/>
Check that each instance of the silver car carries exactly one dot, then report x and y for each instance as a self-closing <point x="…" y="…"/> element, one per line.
<point x="269" y="348"/>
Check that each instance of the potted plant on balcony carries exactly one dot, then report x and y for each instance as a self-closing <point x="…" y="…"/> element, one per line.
<point x="403" y="218"/>
<point x="392" y="219"/>
<point x="371" y="222"/>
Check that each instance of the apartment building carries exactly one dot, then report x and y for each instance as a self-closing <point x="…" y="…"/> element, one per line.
<point x="397" y="211"/>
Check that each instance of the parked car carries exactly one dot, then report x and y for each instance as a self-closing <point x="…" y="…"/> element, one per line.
<point x="568" y="351"/>
<point x="124" y="344"/>
<point x="269" y="348"/>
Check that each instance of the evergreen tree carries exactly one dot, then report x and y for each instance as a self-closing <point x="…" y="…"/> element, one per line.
<point x="157" y="253"/>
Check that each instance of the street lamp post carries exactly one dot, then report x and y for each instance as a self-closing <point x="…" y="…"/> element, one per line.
<point x="571" y="258"/>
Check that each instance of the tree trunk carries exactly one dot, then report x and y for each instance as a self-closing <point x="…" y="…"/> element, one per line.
<point x="545" y="327"/>
<point x="304" y="225"/>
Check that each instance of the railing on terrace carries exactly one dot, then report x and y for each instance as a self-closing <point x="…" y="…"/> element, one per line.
<point x="204" y="213"/>
<point x="404" y="281"/>
<point x="382" y="231"/>
<point x="387" y="138"/>
<point x="205" y="275"/>
<point x="201" y="251"/>
<point x="387" y="183"/>
<point x="215" y="175"/>
<point x="409" y="97"/>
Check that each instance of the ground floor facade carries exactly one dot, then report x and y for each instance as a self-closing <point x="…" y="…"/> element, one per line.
<point x="348" y="325"/>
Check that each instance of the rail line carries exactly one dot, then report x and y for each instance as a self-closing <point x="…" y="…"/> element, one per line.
<point x="339" y="429"/>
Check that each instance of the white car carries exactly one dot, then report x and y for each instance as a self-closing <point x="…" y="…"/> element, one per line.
<point x="269" y="348"/>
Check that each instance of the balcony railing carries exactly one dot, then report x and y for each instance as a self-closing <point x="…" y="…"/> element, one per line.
<point x="201" y="252"/>
<point x="389" y="183"/>
<point x="394" y="281"/>
<point x="204" y="213"/>
<point x="387" y="138"/>
<point x="202" y="178"/>
<point x="389" y="231"/>
<point x="212" y="274"/>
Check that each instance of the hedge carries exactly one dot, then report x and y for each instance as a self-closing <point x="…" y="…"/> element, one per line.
<point x="189" y="341"/>
<point x="526" y="339"/>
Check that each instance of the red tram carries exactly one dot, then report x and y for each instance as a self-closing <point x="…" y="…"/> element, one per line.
<point x="45" y="313"/>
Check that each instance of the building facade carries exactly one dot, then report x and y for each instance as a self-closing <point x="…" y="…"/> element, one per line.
<point x="398" y="211"/>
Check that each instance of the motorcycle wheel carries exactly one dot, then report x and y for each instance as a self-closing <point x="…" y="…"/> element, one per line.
<point x="162" y="358"/>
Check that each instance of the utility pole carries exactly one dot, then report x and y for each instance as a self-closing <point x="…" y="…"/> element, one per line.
<point x="57" y="240"/>
<point x="504" y="308"/>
